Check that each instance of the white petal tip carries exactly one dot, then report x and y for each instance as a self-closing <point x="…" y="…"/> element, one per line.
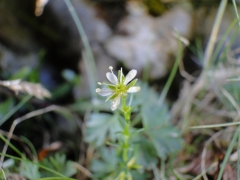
<point x="130" y="76"/>
<point x="113" y="109"/>
<point x="115" y="103"/>
<point x="99" y="83"/>
<point x="98" y="90"/>
<point x="112" y="78"/>
<point x="111" y="68"/>
<point x="104" y="91"/>
<point x="134" y="89"/>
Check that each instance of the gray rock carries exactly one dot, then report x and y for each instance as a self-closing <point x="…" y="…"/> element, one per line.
<point x="95" y="28"/>
<point x="149" y="40"/>
<point x="17" y="44"/>
<point x="12" y="62"/>
<point x="22" y="37"/>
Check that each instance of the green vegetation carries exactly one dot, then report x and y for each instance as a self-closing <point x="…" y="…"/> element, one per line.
<point x="135" y="136"/>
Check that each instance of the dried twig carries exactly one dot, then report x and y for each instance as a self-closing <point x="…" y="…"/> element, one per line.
<point x="82" y="169"/>
<point x="207" y="61"/>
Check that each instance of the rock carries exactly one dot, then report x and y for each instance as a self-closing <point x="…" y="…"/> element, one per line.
<point x="144" y="40"/>
<point x="9" y="58"/>
<point x="95" y="28"/>
<point x="17" y="43"/>
<point x="23" y="36"/>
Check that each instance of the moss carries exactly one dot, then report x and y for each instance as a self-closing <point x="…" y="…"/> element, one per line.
<point x="155" y="7"/>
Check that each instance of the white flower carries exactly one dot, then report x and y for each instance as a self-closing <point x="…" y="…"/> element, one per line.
<point x="119" y="86"/>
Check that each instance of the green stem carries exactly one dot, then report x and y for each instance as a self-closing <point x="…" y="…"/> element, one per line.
<point x="126" y="143"/>
<point x="172" y="74"/>
<point x="126" y="110"/>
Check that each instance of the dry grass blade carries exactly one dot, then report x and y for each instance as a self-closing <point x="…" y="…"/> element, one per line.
<point x="218" y="78"/>
<point x="33" y="89"/>
<point x="82" y="169"/>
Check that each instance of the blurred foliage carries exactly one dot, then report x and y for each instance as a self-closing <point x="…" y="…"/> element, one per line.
<point x="56" y="166"/>
<point x="60" y="164"/>
<point x="32" y="169"/>
<point x="155" y="7"/>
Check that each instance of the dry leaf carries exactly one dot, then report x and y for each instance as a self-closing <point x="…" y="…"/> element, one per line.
<point x="33" y="89"/>
<point x="40" y="6"/>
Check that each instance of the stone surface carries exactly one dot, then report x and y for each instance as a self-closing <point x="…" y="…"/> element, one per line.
<point x="23" y="36"/>
<point x="9" y="58"/>
<point x="17" y="44"/>
<point x="144" y="40"/>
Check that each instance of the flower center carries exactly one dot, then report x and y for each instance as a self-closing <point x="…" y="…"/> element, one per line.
<point x="121" y="88"/>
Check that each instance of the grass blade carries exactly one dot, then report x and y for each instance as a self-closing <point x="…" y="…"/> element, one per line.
<point x="229" y="150"/>
<point x="88" y="57"/>
<point x="15" y="109"/>
<point x="236" y="11"/>
<point x="172" y="74"/>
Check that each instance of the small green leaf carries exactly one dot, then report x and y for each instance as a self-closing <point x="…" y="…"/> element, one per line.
<point x="29" y="170"/>
<point x="154" y="116"/>
<point x="166" y="140"/>
<point x="164" y="137"/>
<point x="106" y="164"/>
<point x="144" y="151"/>
<point x="100" y="127"/>
<point x="58" y="163"/>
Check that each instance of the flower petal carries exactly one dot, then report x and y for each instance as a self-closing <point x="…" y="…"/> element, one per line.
<point x="115" y="103"/>
<point x="112" y="78"/>
<point x="133" y="89"/>
<point x="130" y="76"/>
<point x="104" y="91"/>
